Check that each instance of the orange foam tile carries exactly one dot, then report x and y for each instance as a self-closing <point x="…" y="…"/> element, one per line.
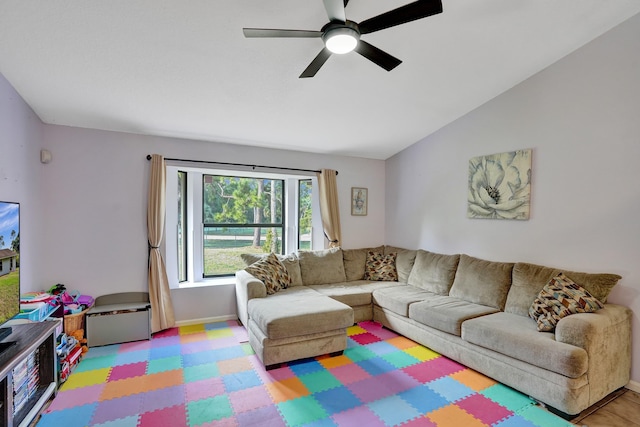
<point x="231" y="366"/>
<point x="472" y="379"/>
<point x="288" y="389"/>
<point x="422" y="353"/>
<point x="135" y="385"/>
<point x="401" y="343"/>
<point x="335" y="362"/>
<point x="453" y="416"/>
<point x="193" y="337"/>
<point x="87" y="378"/>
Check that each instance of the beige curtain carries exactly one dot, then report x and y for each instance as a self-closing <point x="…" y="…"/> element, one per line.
<point x="162" y="316"/>
<point x="329" y="209"/>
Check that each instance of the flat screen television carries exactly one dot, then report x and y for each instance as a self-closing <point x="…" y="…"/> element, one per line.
<point x="9" y="266"/>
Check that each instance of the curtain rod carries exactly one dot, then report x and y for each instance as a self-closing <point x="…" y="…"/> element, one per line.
<point x="242" y="164"/>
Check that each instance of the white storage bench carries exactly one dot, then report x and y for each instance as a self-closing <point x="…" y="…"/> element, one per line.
<point x="119" y="318"/>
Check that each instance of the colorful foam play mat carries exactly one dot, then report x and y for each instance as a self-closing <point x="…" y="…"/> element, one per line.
<point x="208" y="375"/>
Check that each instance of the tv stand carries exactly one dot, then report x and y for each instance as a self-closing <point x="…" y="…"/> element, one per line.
<point x="35" y="342"/>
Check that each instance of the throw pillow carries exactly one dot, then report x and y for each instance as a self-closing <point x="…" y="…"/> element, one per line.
<point x="271" y="272"/>
<point x="381" y="267"/>
<point x="289" y="261"/>
<point x="560" y="298"/>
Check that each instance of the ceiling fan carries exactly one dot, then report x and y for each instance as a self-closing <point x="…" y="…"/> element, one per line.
<point x="342" y="36"/>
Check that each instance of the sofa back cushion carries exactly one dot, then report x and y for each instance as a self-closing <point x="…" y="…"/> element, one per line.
<point x="355" y="260"/>
<point x="404" y="261"/>
<point x="434" y="272"/>
<point x="289" y="261"/>
<point x="322" y="267"/>
<point x="529" y="279"/>
<point x="482" y="282"/>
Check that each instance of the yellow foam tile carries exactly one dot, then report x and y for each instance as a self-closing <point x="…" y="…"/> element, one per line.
<point x="288" y="389"/>
<point x="401" y="343"/>
<point x="87" y="378"/>
<point x="472" y="379"/>
<point x="219" y="333"/>
<point x="453" y="416"/>
<point x="190" y="329"/>
<point x="422" y="353"/>
<point x="355" y="330"/>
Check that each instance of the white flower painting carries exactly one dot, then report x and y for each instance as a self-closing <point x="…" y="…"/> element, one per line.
<point x="500" y="186"/>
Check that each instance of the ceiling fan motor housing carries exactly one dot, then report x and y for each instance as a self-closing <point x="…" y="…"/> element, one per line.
<point x="341" y="37"/>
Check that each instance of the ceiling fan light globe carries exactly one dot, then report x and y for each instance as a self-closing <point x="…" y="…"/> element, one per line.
<point x="341" y="40"/>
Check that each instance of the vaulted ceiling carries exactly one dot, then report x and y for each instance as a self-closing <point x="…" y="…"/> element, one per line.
<point x="184" y="69"/>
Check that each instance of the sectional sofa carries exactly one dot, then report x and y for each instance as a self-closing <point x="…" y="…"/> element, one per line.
<point x="470" y="310"/>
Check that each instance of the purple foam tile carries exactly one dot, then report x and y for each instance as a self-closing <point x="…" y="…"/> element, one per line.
<point x="161" y="342"/>
<point x="360" y="416"/>
<point x="249" y="399"/>
<point x="267" y="416"/>
<point x="76" y="397"/>
<point x="223" y="342"/>
<point x="383" y="385"/>
<point x="196" y="347"/>
<point x="349" y="374"/>
<point x="136" y="345"/>
<point x="163" y="398"/>
<point x="203" y="389"/>
<point x="113" y="409"/>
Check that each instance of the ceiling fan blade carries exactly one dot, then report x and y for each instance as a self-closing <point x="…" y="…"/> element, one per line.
<point x="346" y="2"/>
<point x="380" y="57"/>
<point x="317" y="62"/>
<point x="266" y="32"/>
<point x="335" y="10"/>
<point x="407" y="13"/>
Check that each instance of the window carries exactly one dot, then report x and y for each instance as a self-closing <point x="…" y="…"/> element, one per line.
<point x="213" y="216"/>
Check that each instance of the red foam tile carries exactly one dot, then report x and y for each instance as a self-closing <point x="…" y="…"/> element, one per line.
<point x="174" y="416"/>
<point x="364" y="339"/>
<point x="486" y="410"/>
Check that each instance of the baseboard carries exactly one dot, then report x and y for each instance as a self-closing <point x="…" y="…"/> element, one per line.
<point x="206" y="320"/>
<point x="633" y="386"/>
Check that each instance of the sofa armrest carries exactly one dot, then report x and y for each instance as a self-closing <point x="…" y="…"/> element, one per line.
<point x="247" y="287"/>
<point x="606" y="337"/>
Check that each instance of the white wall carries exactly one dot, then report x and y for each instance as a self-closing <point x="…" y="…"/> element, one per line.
<point x="581" y="117"/>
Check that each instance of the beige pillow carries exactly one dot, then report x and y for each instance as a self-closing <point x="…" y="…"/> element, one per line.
<point x="561" y="297"/>
<point x="529" y="279"/>
<point x="355" y="260"/>
<point x="322" y="267"/>
<point x="271" y="272"/>
<point x="289" y="261"/>
<point x="434" y="272"/>
<point x="381" y="267"/>
<point x="404" y="261"/>
<point x="482" y="282"/>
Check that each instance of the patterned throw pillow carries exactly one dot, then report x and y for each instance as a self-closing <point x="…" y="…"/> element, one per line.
<point x="381" y="267"/>
<point x="559" y="298"/>
<point x="272" y="272"/>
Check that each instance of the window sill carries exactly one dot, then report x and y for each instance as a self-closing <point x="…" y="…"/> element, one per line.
<point x="218" y="281"/>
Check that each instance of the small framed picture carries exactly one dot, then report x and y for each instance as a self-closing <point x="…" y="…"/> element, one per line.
<point x="359" y="200"/>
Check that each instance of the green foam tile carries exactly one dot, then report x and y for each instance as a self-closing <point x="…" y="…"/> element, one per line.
<point x="319" y="381"/>
<point x="301" y="411"/>
<point x="207" y="410"/>
<point x="507" y="397"/>
<point x="201" y="372"/>
<point x="164" y="364"/>
<point x="400" y="359"/>
<point x="543" y="418"/>
<point x="360" y="353"/>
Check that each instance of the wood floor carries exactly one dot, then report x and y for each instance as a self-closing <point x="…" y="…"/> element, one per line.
<point x="620" y="409"/>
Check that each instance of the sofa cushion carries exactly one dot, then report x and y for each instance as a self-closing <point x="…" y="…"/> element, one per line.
<point x="561" y="297"/>
<point x="355" y="260"/>
<point x="399" y="298"/>
<point x="518" y="337"/>
<point x="404" y="261"/>
<point x="298" y="311"/>
<point x="381" y="267"/>
<point x="482" y="282"/>
<point x="346" y="293"/>
<point x="529" y="279"/>
<point x="289" y="261"/>
<point x="271" y="272"/>
<point x="321" y="267"/>
<point x="434" y="272"/>
<point x="447" y="313"/>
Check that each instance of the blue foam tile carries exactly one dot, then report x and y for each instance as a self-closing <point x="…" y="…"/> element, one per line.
<point x="227" y="353"/>
<point x="76" y="416"/>
<point x="515" y="421"/>
<point x="305" y="366"/>
<point x="423" y="399"/>
<point x="131" y="421"/>
<point x="217" y="325"/>
<point x="101" y="351"/>
<point x="164" y="352"/>
<point x="199" y="358"/>
<point x="393" y="410"/>
<point x="241" y="380"/>
<point x="132" y="357"/>
<point x="382" y="347"/>
<point x="325" y="422"/>
<point x="376" y="366"/>
<point x="450" y="389"/>
<point x="337" y="400"/>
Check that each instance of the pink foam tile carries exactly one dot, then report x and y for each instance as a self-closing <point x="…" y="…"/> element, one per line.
<point x="371" y="326"/>
<point x="135" y="346"/>
<point x="384" y="334"/>
<point x="249" y="399"/>
<point x="174" y="416"/>
<point x="360" y="416"/>
<point x="203" y="389"/>
<point x="364" y="339"/>
<point x="433" y="369"/>
<point x="348" y="374"/>
<point x="171" y="332"/>
<point x="225" y="422"/>
<point x="130" y="370"/>
<point x="486" y="410"/>
<point x="421" y="421"/>
<point x="76" y="397"/>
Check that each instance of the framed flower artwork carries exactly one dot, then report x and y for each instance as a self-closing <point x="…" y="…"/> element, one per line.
<point x="359" y="201"/>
